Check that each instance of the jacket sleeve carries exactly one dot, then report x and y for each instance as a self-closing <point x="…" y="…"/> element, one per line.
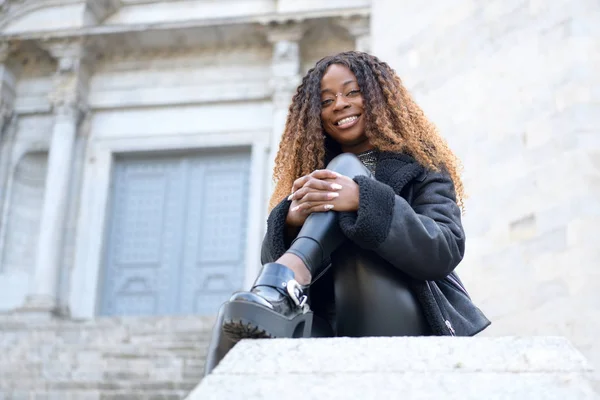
<point x="274" y="243"/>
<point x="424" y="239"/>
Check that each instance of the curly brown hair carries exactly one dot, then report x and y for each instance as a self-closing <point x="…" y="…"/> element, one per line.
<point x="394" y="123"/>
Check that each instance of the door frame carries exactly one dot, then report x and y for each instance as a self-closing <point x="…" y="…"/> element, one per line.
<point x="85" y="278"/>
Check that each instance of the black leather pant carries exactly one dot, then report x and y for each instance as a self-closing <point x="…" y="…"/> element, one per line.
<point x="370" y="300"/>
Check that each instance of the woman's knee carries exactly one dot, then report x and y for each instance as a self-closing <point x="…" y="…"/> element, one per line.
<point x="348" y="164"/>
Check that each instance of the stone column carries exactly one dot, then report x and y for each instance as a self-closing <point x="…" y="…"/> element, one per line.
<point x="285" y="78"/>
<point x="7" y="87"/>
<point x="7" y="99"/>
<point x="67" y="99"/>
<point x="360" y="29"/>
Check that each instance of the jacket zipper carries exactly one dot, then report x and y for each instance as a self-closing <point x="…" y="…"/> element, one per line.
<point x="450" y="328"/>
<point x="446" y="320"/>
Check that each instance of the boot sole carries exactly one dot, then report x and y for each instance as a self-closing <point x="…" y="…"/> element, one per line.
<point x="246" y="320"/>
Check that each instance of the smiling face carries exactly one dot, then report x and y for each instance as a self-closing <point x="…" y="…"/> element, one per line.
<point x="342" y="110"/>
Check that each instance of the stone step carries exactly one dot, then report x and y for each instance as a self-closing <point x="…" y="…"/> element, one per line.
<point x="137" y="324"/>
<point x="104" y="359"/>
<point x="116" y="384"/>
<point x="28" y="351"/>
<point x="93" y="395"/>
<point x="413" y="368"/>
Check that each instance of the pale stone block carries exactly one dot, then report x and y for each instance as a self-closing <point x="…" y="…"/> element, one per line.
<point x="572" y="95"/>
<point x="553" y="241"/>
<point x="48" y="19"/>
<point x="583" y="232"/>
<point x="184" y="119"/>
<point x="523" y="229"/>
<point x="416" y="367"/>
<point x="188" y="10"/>
<point x="538" y="132"/>
<point x="291" y="6"/>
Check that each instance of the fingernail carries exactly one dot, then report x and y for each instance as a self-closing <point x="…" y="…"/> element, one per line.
<point x="336" y="186"/>
<point x="295" y="208"/>
<point x="333" y="195"/>
<point x="290" y="196"/>
<point x="329" y="206"/>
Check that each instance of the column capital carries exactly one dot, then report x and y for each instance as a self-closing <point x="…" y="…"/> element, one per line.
<point x="70" y="80"/>
<point x="356" y="25"/>
<point x="359" y="27"/>
<point x="68" y="53"/>
<point x="101" y="9"/>
<point x="285" y="70"/>
<point x="289" y="31"/>
<point x="4" y="51"/>
<point x="7" y="49"/>
<point x="285" y="63"/>
<point x="7" y="85"/>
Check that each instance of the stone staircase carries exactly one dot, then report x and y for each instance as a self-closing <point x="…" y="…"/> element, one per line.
<point x="163" y="358"/>
<point x="103" y="359"/>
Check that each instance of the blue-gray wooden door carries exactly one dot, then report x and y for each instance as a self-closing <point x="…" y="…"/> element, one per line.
<point x="176" y="233"/>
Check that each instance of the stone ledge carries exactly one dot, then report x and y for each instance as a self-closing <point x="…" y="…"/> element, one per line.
<point x="427" y="367"/>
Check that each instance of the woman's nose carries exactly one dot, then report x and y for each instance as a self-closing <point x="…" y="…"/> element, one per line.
<point x="341" y="102"/>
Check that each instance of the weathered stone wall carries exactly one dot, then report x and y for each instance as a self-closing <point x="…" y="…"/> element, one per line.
<point x="515" y="87"/>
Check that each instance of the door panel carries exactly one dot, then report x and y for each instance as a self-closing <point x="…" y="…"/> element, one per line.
<point x="177" y="234"/>
<point x="215" y="243"/>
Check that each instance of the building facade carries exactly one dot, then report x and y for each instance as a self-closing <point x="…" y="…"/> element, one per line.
<point x="136" y="145"/>
<point x="137" y="139"/>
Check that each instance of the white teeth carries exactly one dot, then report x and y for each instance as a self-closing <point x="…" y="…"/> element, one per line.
<point x="347" y="120"/>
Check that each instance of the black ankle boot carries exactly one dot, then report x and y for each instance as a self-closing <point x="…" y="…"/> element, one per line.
<point x="275" y="307"/>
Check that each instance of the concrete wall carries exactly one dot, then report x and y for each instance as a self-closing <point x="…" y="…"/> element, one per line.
<point x="515" y="88"/>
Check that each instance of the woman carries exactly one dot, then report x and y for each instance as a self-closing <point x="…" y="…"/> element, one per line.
<point x="371" y="241"/>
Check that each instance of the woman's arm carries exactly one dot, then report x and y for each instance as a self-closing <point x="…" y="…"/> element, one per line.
<point x="426" y="240"/>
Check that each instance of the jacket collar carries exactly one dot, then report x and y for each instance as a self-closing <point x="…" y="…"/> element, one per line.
<point x="397" y="169"/>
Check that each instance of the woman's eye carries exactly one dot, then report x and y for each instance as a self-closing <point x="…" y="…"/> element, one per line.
<point x="326" y="102"/>
<point x="353" y="93"/>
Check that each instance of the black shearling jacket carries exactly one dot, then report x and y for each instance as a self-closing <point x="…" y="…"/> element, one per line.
<point x="408" y="217"/>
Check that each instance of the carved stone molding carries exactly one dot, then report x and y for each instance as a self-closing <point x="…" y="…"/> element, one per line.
<point x="286" y="60"/>
<point x="8" y="49"/>
<point x="285" y="31"/>
<point x="179" y="56"/>
<point x="68" y="97"/>
<point x="7" y="85"/>
<point x="4" y="51"/>
<point x="68" y="53"/>
<point x="359" y="27"/>
<point x="102" y="9"/>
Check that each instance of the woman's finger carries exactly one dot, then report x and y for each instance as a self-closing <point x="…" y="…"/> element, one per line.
<point x="313" y="185"/>
<point x="298" y="194"/>
<point x="321" y="207"/>
<point x="298" y="183"/>
<point x="319" y="184"/>
<point x="318" y="196"/>
<point x="324" y="174"/>
<point x="313" y="206"/>
<point x="315" y="181"/>
<point x="301" y="194"/>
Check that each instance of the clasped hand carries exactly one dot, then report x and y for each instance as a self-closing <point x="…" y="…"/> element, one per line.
<point x="320" y="191"/>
